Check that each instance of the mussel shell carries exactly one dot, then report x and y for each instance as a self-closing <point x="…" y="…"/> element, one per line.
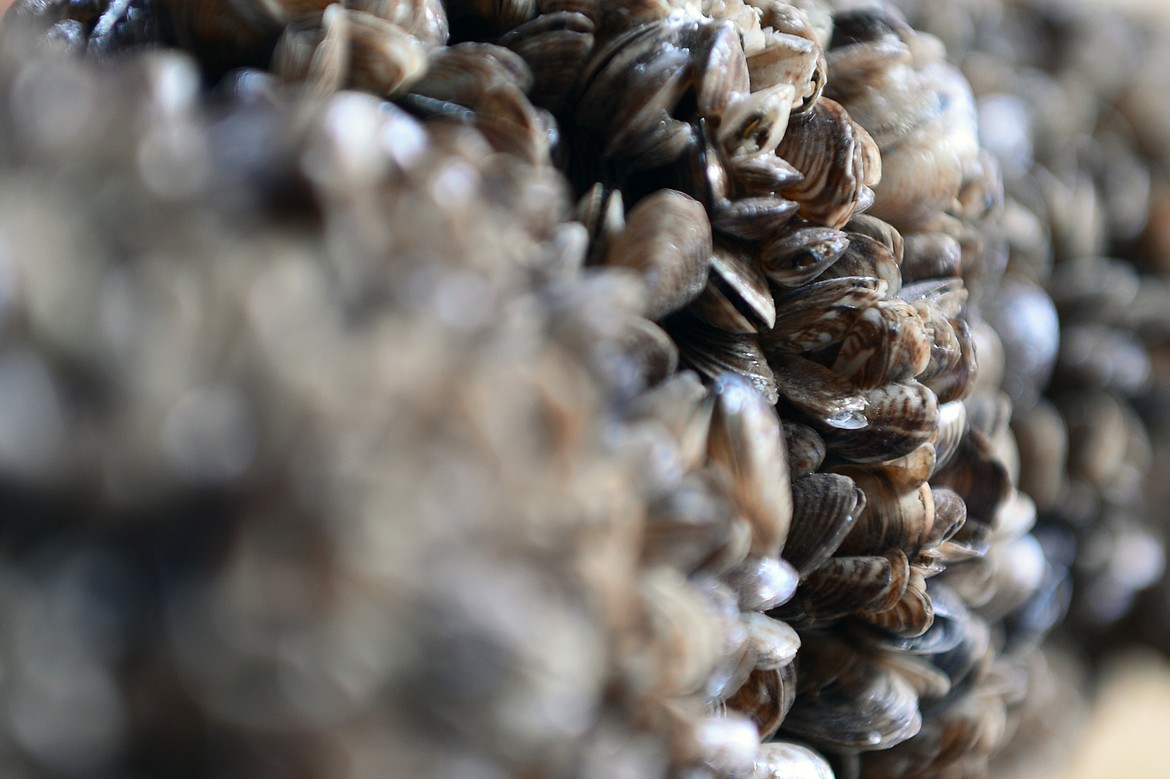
<point x="895" y="515"/>
<point x="931" y="255"/>
<point x="740" y="296"/>
<point x="682" y="406"/>
<point x="712" y="352"/>
<point x="806" y="449"/>
<point x="796" y="257"/>
<point x="887" y="343"/>
<point x="827" y="398"/>
<point x="853" y="585"/>
<point x="651" y="352"/>
<point x="315" y="50"/>
<point x="823" y="143"/>
<point x="424" y="19"/>
<point x="754" y="124"/>
<point x="752" y="218"/>
<point x="689" y="526"/>
<point x="786" y="760"/>
<point x="785" y="59"/>
<point x="899" y="417"/>
<point x="682" y="626"/>
<point x="762" y="175"/>
<point x="869" y="258"/>
<point x="668" y="240"/>
<point x="746" y="440"/>
<point x="825" y="508"/>
<point x="913" y="613"/>
<point x="847" y="701"/>
<point x="225" y="34"/>
<point x="384" y="58"/>
<point x="556" y="47"/>
<point x="1042" y="438"/>
<point x="978" y="476"/>
<point x="774" y="644"/>
<point x="880" y="231"/>
<point x="766" y="697"/>
<point x="820" y="314"/>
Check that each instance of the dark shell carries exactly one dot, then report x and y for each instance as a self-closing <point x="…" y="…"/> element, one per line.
<point x="820" y="314"/>
<point x="846" y="700"/>
<point x="712" y="352"/>
<point x="899" y="417"/>
<point x="825" y="508"/>
<point x="796" y="257"/>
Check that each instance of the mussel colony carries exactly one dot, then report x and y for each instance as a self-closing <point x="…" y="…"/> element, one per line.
<point x="568" y="388"/>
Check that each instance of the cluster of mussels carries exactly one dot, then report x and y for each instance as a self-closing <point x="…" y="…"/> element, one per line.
<point x="558" y="388"/>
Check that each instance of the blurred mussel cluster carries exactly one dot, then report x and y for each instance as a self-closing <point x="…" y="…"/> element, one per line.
<point x="575" y="389"/>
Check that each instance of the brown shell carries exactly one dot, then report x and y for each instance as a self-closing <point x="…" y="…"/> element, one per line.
<point x="782" y="760"/>
<point x="766" y="697"/>
<point x="737" y="297"/>
<point x="806" y="449"/>
<point x="854" y="585"/>
<point x="652" y="352"/>
<point x="384" y="58"/>
<point x="899" y="418"/>
<point x="343" y="48"/>
<point x="887" y="343"/>
<point x="752" y="218"/>
<point x="825" y="508"/>
<point x="556" y="47"/>
<point x="880" y="231"/>
<point x="785" y="59"/>
<point x="692" y="525"/>
<point x="912" y="615"/>
<point x="826" y="397"/>
<point x="721" y="70"/>
<point x="868" y="258"/>
<point x="978" y="476"/>
<point x="773" y="643"/>
<point x="1042" y="438"/>
<point x="820" y="314"/>
<point x="630" y="89"/>
<point x="712" y="352"/>
<point x="957" y="380"/>
<point x="945" y="349"/>
<point x="226" y="34"/>
<point x="930" y="255"/>
<point x="761" y="582"/>
<point x="798" y="256"/>
<point x="746" y="440"/>
<point x="825" y="145"/>
<point x="667" y="239"/>
<point x="755" y="123"/>
<point x="847" y="700"/>
<point x="952" y="426"/>
<point x="895" y="516"/>
<point x="762" y="175"/>
<point x="315" y="50"/>
<point x="683" y="642"/>
<point x="682" y="406"/>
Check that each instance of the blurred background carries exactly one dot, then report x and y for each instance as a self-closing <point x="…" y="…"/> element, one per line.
<point x="1127" y="729"/>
